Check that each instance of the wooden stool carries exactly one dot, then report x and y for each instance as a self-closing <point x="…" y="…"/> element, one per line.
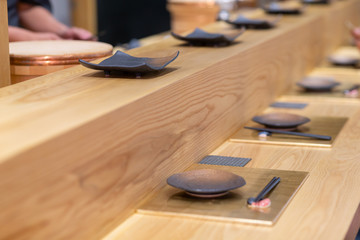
<point x="31" y="59"/>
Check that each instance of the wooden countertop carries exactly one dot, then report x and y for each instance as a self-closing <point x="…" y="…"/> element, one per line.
<point x="323" y="208"/>
<point x="80" y="152"/>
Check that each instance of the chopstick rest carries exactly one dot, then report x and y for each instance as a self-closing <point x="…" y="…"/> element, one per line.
<point x="353" y="91"/>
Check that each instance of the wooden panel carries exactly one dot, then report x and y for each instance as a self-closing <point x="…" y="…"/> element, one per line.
<point x="84" y="14"/>
<point x="232" y="207"/>
<point x="4" y="46"/>
<point x="329" y="126"/>
<point x="79" y="152"/>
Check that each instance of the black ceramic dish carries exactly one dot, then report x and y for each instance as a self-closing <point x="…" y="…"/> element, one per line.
<point x="242" y="21"/>
<point x="206" y="183"/>
<point x="341" y="60"/>
<point x="123" y="62"/>
<point x="276" y="8"/>
<point x="321" y="84"/>
<point x="281" y="120"/>
<point x="200" y="37"/>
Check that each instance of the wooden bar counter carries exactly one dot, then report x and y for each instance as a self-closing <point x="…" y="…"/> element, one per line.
<point x="80" y="152"/>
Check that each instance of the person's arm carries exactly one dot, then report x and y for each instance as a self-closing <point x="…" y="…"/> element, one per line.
<point x="20" y="34"/>
<point x="39" y="19"/>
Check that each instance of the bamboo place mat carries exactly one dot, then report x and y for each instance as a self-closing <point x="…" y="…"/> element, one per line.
<point x="233" y="206"/>
<point x="330" y="126"/>
<point x="290" y="105"/>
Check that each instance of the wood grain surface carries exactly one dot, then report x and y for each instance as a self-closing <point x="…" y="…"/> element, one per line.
<point x="4" y="46"/>
<point x="80" y="151"/>
<point x="323" y="208"/>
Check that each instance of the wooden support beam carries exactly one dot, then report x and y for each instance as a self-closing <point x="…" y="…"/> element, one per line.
<point x="4" y="46"/>
<point x="84" y="14"/>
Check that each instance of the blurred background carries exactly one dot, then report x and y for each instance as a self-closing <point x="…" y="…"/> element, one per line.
<point x="115" y="21"/>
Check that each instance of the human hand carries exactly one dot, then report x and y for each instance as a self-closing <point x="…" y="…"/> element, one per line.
<point x="355" y="32"/>
<point x="76" y="33"/>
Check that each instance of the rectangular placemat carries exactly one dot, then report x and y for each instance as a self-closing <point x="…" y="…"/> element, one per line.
<point x="225" y="161"/>
<point x="288" y="105"/>
<point x="330" y="126"/>
<point x="170" y="201"/>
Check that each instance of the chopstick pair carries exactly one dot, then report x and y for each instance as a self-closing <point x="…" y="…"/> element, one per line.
<point x="355" y="87"/>
<point x="323" y="137"/>
<point x="270" y="186"/>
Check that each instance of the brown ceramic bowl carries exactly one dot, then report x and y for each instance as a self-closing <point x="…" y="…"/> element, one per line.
<point x="206" y="182"/>
<point x="318" y="83"/>
<point x="343" y="60"/>
<point x="281" y="120"/>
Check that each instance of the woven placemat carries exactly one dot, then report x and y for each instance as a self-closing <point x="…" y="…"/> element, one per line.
<point x="288" y="105"/>
<point x="225" y="161"/>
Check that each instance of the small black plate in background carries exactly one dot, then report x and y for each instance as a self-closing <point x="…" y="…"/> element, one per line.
<point x="249" y="23"/>
<point x="200" y="37"/>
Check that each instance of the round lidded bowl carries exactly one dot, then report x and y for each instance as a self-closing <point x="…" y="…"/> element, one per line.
<point x="206" y="183"/>
<point x="29" y="59"/>
<point x="318" y="83"/>
<point x="285" y="121"/>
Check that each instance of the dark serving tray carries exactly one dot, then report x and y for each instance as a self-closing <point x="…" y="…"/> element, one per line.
<point x="121" y="61"/>
<point x="242" y="21"/>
